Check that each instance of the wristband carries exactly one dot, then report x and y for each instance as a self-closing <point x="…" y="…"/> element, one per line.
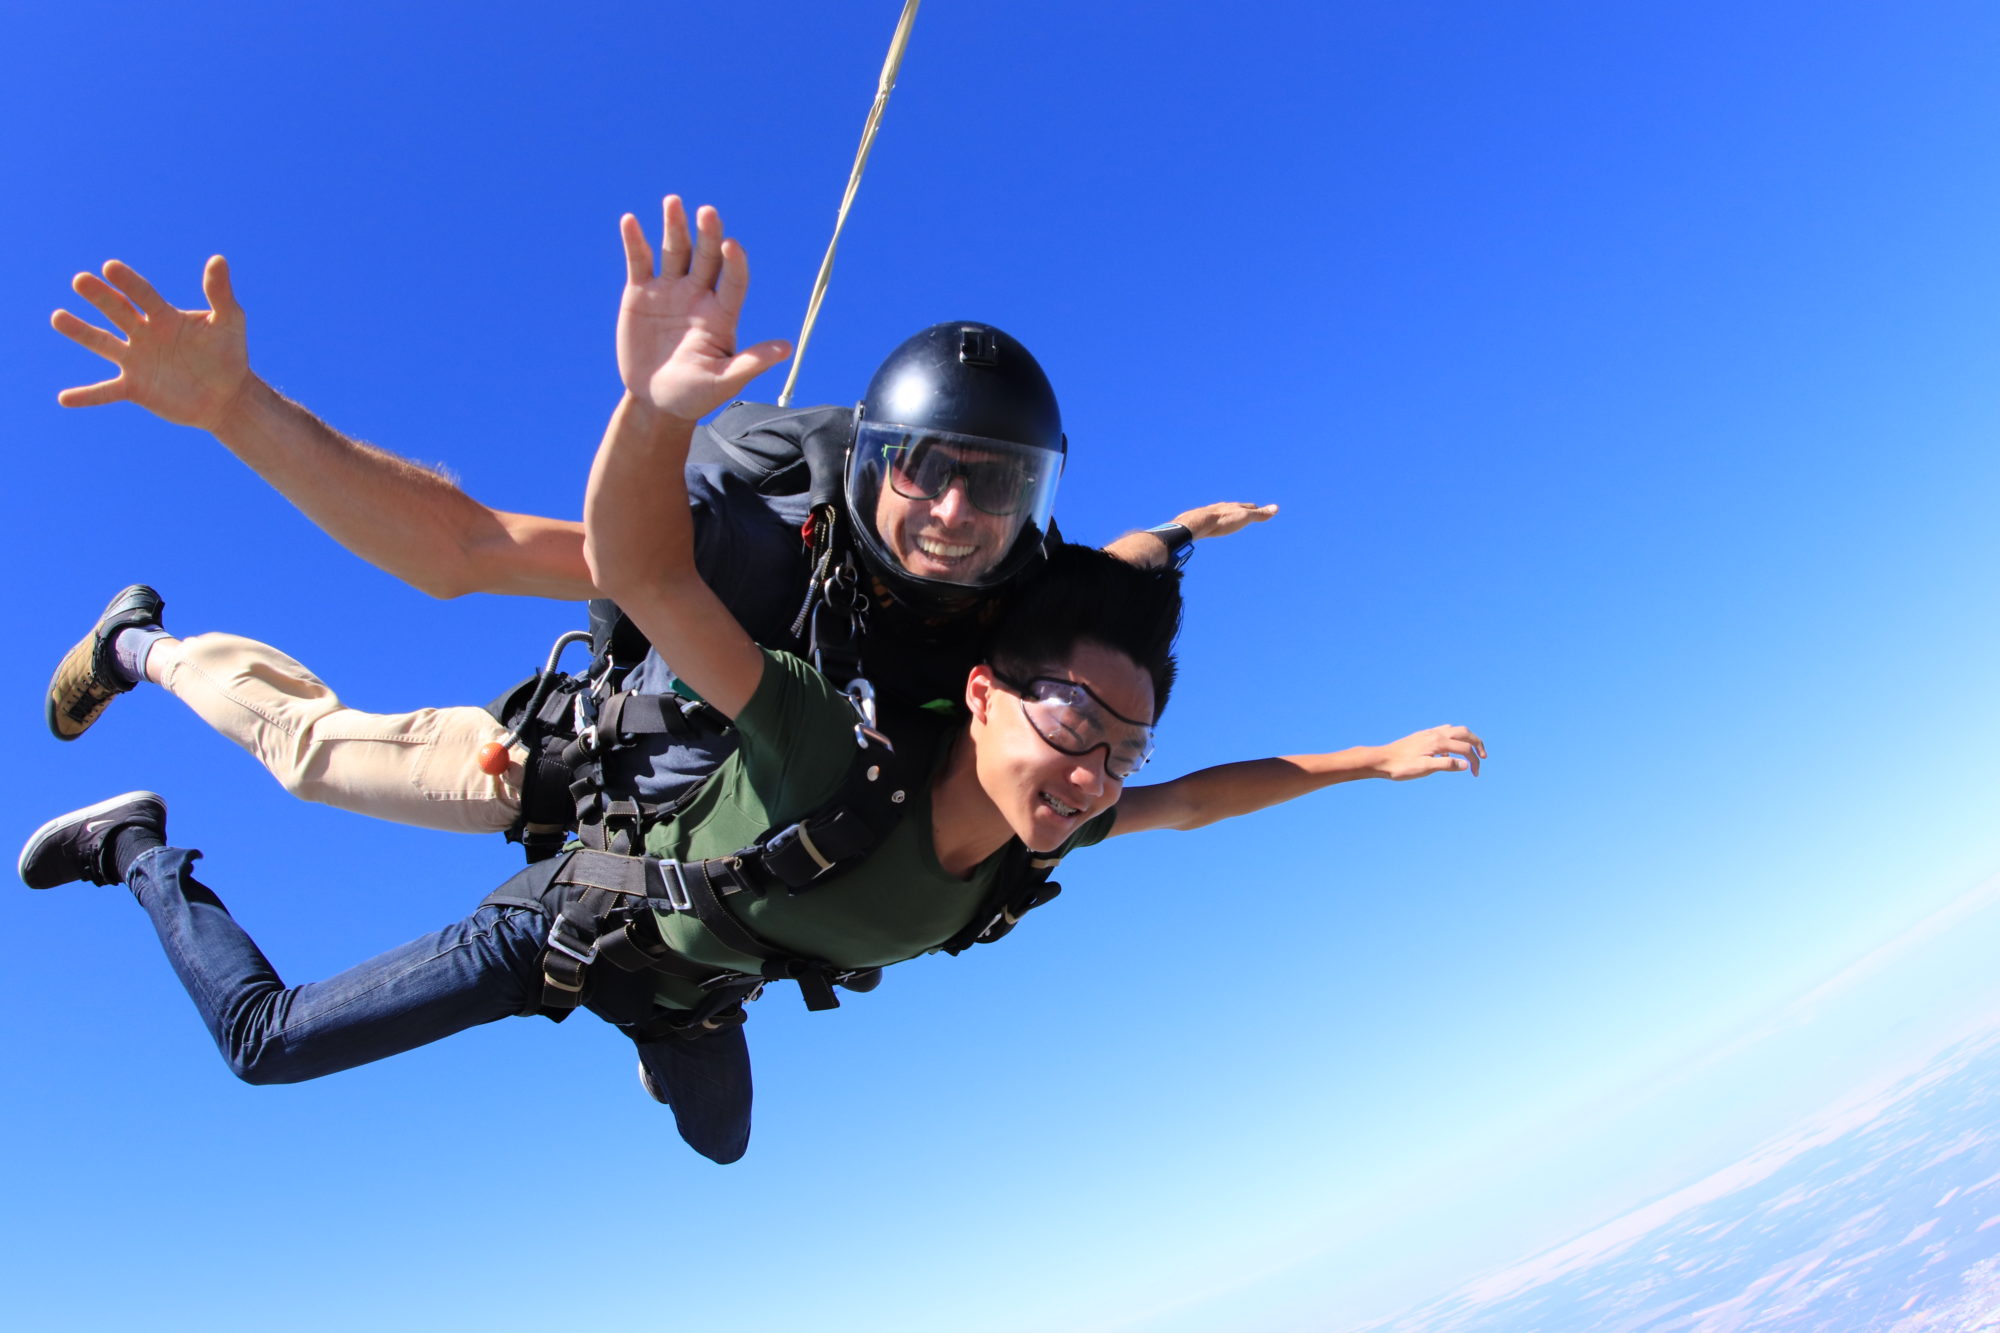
<point x="1179" y="542"/>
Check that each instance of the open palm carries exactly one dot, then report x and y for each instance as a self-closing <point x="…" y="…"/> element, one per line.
<point x="187" y="366"/>
<point x="677" y="330"/>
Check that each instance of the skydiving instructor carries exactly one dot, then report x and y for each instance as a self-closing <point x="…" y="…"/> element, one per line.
<point x="959" y="422"/>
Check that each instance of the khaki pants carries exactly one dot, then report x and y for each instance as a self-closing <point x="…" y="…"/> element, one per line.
<point x="417" y="768"/>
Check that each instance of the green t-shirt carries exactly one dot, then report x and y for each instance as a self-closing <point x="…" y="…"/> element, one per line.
<point x="795" y="747"/>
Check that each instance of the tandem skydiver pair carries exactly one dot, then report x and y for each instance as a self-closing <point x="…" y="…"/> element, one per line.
<point x="933" y="572"/>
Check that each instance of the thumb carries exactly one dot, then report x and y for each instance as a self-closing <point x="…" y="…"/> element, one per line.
<point x="751" y="362"/>
<point x="216" y="287"/>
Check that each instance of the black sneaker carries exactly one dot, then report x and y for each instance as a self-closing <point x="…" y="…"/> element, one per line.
<point x="85" y="681"/>
<point x="78" y="845"/>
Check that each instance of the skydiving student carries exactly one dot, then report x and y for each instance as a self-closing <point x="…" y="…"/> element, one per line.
<point x="962" y="520"/>
<point x="1059" y="715"/>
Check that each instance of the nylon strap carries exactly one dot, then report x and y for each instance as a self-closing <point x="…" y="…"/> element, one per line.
<point x="885" y="85"/>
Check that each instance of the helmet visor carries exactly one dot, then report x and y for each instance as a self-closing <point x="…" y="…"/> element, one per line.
<point x="950" y="508"/>
<point x="922" y="467"/>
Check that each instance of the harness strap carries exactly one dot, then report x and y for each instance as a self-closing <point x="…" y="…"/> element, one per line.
<point x="700" y="899"/>
<point x="723" y="1009"/>
<point x="618" y="824"/>
<point x="703" y="885"/>
<point x="625" y="715"/>
<point x="1022" y="885"/>
<point x="600" y="907"/>
<point x="585" y="899"/>
<point x="802" y="853"/>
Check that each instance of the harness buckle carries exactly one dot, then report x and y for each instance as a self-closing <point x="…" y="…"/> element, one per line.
<point x="723" y="980"/>
<point x="860" y="694"/>
<point x="582" y="950"/>
<point x="583" y="720"/>
<point x="675" y="885"/>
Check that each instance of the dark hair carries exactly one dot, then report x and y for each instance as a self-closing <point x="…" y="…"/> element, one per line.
<point x="1080" y="593"/>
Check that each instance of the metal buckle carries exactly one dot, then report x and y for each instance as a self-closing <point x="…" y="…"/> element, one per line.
<point x="585" y="952"/>
<point x="860" y="694"/>
<point x="839" y="593"/>
<point x="583" y="721"/>
<point x="675" y="885"/>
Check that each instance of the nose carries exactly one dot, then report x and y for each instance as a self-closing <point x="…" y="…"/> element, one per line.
<point x="950" y="505"/>
<point x="1087" y="774"/>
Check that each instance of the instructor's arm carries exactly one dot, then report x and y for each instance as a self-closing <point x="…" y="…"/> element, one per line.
<point x="192" y="367"/>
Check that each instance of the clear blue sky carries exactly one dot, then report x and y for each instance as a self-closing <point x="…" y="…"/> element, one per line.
<point x="1627" y="380"/>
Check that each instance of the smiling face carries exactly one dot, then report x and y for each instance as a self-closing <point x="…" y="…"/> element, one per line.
<point x="1041" y="793"/>
<point x="947" y="537"/>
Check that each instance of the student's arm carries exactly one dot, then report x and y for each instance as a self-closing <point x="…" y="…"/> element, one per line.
<point x="1229" y="790"/>
<point x="676" y="341"/>
<point x="192" y="367"/>
<point x="1148" y="550"/>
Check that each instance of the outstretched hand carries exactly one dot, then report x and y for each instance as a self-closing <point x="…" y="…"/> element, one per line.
<point x="677" y="331"/>
<point x="188" y="366"/>
<point x="1432" y="750"/>
<point x="1220" y="520"/>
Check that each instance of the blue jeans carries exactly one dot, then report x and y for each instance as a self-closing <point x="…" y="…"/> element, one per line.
<point x="473" y="971"/>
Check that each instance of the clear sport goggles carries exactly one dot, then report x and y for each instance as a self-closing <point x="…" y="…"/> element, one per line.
<point x="1073" y="720"/>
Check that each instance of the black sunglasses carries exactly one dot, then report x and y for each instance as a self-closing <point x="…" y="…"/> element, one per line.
<point x="925" y="469"/>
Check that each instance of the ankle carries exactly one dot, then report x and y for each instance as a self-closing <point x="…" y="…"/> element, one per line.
<point x="130" y="648"/>
<point x="127" y="845"/>
<point x="161" y="658"/>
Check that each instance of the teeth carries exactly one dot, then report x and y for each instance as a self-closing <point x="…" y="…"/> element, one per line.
<point x="1066" y="811"/>
<point x="943" y="550"/>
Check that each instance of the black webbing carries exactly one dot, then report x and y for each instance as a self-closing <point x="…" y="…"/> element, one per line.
<point x="626" y="714"/>
<point x="1021" y="885"/>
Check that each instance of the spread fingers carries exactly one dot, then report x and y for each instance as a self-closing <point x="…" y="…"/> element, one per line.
<point x="707" y="261"/>
<point x="674" y="248"/>
<point x="638" y="255"/>
<point x="92" y="337"/>
<point x="136" y="289"/>
<point x="109" y="301"/>
<point x="94" y="395"/>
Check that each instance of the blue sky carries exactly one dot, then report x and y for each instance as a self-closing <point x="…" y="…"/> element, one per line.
<point x="1626" y="378"/>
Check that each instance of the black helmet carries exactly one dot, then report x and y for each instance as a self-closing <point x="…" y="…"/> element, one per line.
<point x="957" y="451"/>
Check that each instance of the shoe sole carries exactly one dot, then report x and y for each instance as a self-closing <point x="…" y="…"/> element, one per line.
<point x="40" y="836"/>
<point x="75" y="698"/>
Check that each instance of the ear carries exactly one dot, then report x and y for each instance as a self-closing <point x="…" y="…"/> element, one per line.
<point x="979" y="687"/>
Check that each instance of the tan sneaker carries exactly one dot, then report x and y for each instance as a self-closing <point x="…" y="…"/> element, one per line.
<point x="85" y="683"/>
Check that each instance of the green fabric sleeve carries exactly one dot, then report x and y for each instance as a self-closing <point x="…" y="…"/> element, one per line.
<point x="795" y="737"/>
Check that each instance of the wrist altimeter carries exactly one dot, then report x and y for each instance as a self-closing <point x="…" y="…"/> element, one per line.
<point x="1178" y="540"/>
